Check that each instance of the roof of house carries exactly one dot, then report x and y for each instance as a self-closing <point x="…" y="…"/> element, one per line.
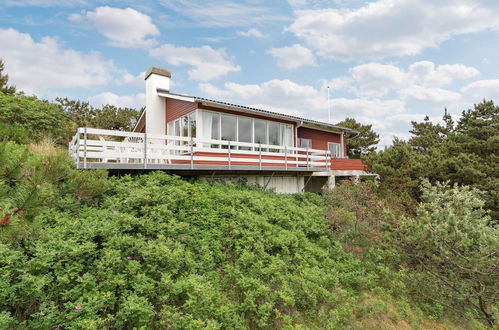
<point x="305" y="121"/>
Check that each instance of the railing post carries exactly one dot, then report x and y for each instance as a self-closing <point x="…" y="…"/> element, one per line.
<point x="260" y="155"/>
<point x="145" y="150"/>
<point x="85" y="148"/>
<point x="192" y="153"/>
<point x="229" y="154"/>
<point x="286" y="157"/>
<point x="78" y="149"/>
<point x="307" y="159"/>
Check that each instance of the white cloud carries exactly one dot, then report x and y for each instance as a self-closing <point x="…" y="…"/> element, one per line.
<point x="125" y="28"/>
<point x="479" y="90"/>
<point x="422" y="81"/>
<point x="390" y="27"/>
<point x="288" y="97"/>
<point x="251" y="33"/>
<point x="43" y="3"/>
<point x="208" y="63"/>
<point x="36" y="67"/>
<point x="223" y="13"/>
<point x="292" y="57"/>
<point x="129" y="79"/>
<point x="136" y="101"/>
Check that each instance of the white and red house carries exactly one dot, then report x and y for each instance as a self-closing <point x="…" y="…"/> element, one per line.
<point x="213" y="140"/>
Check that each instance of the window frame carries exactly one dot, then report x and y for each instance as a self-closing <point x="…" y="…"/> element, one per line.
<point x="280" y="135"/>
<point x="338" y="145"/>
<point x="309" y="144"/>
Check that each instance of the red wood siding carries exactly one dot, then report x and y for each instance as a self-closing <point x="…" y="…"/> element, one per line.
<point x="347" y="164"/>
<point x="178" y="108"/>
<point x="319" y="138"/>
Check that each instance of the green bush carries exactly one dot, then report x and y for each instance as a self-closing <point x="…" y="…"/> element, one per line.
<point x="38" y="118"/>
<point x="14" y="133"/>
<point x="160" y="251"/>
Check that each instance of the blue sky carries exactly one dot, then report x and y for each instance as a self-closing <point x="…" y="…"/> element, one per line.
<point x="387" y="62"/>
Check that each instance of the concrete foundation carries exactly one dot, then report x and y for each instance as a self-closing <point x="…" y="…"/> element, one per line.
<point x="315" y="182"/>
<point x="279" y="184"/>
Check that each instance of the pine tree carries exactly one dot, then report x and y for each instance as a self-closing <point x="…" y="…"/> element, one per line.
<point x="4" y="79"/>
<point x="364" y="143"/>
<point x="427" y="135"/>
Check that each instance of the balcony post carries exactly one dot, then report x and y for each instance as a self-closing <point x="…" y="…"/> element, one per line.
<point x="307" y="159"/>
<point x="286" y="157"/>
<point x="260" y="155"/>
<point x="85" y="148"/>
<point x="229" y="154"/>
<point x="145" y="150"/>
<point x="192" y="152"/>
<point x="77" y="149"/>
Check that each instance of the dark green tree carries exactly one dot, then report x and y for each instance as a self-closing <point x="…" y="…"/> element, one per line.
<point x="107" y="117"/>
<point x="427" y="135"/>
<point x="364" y="143"/>
<point x="466" y="154"/>
<point x="452" y="246"/>
<point x="4" y="79"/>
<point x="477" y="134"/>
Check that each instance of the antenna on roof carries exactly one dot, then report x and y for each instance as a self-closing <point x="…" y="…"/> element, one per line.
<point x="328" y="106"/>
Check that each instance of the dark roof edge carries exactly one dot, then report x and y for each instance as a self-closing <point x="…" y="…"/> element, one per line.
<point x="277" y="114"/>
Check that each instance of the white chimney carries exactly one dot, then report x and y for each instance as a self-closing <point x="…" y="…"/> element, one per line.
<point x="157" y="79"/>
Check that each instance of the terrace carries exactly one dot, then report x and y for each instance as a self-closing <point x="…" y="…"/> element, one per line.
<point x="93" y="148"/>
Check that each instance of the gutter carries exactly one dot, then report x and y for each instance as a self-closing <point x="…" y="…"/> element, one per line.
<point x="300" y="124"/>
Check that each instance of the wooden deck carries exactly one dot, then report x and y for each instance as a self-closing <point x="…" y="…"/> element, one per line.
<point x="94" y="148"/>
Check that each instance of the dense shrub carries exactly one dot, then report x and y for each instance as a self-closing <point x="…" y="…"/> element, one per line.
<point x="38" y="118"/>
<point x="13" y="132"/>
<point x="156" y="251"/>
<point x="162" y="251"/>
<point x="356" y="214"/>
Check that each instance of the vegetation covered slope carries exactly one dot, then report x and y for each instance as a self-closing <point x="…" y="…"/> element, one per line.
<point x="158" y="251"/>
<point x="162" y="251"/>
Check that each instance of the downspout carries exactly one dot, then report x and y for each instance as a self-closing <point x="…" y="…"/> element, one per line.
<point x="342" y="141"/>
<point x="300" y="124"/>
<point x="343" y="145"/>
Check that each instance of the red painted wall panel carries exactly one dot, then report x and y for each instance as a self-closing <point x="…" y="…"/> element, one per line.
<point x="178" y="108"/>
<point x="347" y="164"/>
<point x="320" y="138"/>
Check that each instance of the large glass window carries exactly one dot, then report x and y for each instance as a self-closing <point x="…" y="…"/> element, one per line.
<point x="211" y="127"/>
<point x="244" y="131"/>
<point x="185" y="126"/>
<point x="287" y="135"/>
<point x="177" y="128"/>
<point x="221" y="126"/>
<point x="274" y="133"/>
<point x="192" y="124"/>
<point x="260" y="131"/>
<point x="228" y="129"/>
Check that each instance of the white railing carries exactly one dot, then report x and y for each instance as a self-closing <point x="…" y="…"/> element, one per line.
<point x="90" y="146"/>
